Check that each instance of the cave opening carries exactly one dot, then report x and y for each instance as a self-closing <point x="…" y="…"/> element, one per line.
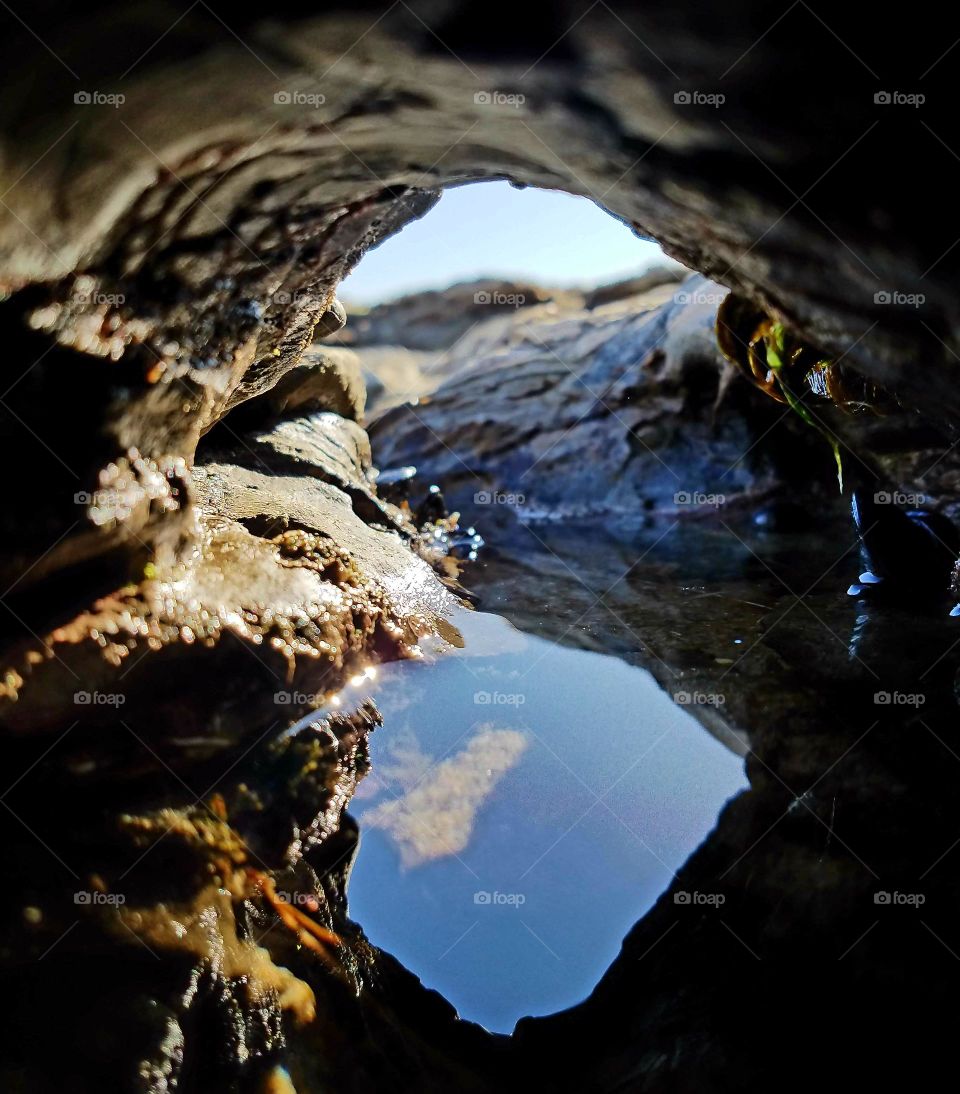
<point x="486" y="249"/>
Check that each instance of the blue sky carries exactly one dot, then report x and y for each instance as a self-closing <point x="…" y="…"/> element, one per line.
<point x="493" y="229"/>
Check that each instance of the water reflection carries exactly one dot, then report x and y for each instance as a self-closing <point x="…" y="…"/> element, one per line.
<point x="527" y="804"/>
<point x="437" y="814"/>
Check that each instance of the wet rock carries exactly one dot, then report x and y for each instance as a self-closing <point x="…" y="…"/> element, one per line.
<point x="326" y="378"/>
<point x="395" y="374"/>
<point x="323" y="445"/>
<point x="809" y="901"/>
<point x="298" y="568"/>
<point x="621" y="412"/>
<point x="287" y="200"/>
<point x="429" y="321"/>
<point x="634" y="286"/>
<point x="209" y="911"/>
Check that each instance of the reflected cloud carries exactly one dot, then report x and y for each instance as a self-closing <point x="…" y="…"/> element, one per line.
<point x="404" y="764"/>
<point x="435" y="816"/>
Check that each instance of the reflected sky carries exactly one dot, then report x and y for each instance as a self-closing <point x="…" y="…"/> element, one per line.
<point x="527" y="804"/>
<point x="435" y="816"/>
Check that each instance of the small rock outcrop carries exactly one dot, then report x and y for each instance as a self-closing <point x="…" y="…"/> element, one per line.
<point x="607" y="414"/>
<point x="436" y="320"/>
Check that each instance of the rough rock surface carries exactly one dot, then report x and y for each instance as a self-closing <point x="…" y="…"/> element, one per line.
<point x="325" y="378"/>
<point x="249" y="167"/>
<point x="625" y="411"/>
<point x="634" y="286"/>
<point x="395" y="374"/>
<point x="628" y="412"/>
<point x="409" y="347"/>
<point x="436" y="320"/>
<point x="162" y="951"/>
<point x="158" y="808"/>
<point x="298" y="567"/>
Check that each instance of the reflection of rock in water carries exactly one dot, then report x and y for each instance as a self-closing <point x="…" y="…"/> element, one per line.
<point x="435" y="817"/>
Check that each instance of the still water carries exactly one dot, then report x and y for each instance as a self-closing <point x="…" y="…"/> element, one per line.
<point x="527" y="804"/>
